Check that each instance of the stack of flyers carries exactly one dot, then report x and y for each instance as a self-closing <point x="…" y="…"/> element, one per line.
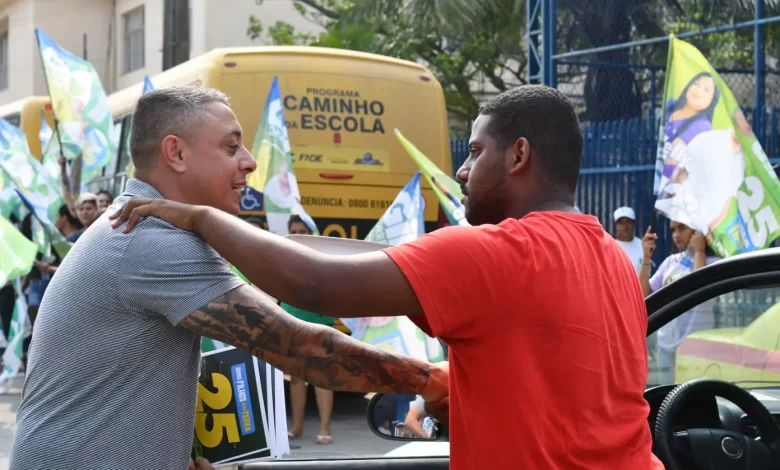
<point x="240" y="415"/>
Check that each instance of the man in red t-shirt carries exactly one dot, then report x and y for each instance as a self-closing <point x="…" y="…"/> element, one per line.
<point x="541" y="309"/>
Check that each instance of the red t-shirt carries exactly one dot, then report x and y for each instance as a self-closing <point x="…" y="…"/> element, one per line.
<point x="546" y="325"/>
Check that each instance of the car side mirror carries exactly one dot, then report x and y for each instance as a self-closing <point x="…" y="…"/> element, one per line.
<point x="396" y="417"/>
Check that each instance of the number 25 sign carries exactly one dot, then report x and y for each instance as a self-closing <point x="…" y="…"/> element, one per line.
<point x="228" y="400"/>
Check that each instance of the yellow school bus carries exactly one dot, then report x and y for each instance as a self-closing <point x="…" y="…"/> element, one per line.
<point x="26" y="115"/>
<point x="339" y="106"/>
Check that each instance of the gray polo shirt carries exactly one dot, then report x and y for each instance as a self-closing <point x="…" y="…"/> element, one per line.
<point x="111" y="380"/>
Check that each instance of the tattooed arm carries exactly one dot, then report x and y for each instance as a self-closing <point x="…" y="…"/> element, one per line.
<point x="247" y="319"/>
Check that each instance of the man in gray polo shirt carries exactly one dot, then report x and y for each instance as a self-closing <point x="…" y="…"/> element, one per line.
<point x="113" y="368"/>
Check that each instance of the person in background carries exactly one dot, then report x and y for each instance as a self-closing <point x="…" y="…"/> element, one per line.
<point x="68" y="224"/>
<point x="414" y="417"/>
<point x="625" y="226"/>
<point x="298" y="387"/>
<point x="692" y="254"/>
<point x="385" y="428"/>
<point x="258" y="222"/>
<point x="104" y="199"/>
<point x="87" y="210"/>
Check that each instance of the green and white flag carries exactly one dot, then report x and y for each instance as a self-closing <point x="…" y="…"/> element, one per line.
<point x="10" y="204"/>
<point x="51" y="149"/>
<point x="712" y="173"/>
<point x="447" y="190"/>
<point x="38" y="192"/>
<point x="275" y="175"/>
<point x="80" y="105"/>
<point x="12" y="358"/>
<point x="17" y="253"/>
<point x="402" y="222"/>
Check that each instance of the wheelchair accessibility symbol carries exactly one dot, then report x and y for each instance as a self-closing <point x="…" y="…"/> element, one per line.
<point x="251" y="200"/>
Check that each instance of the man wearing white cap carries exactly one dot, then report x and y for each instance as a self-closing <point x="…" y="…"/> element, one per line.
<point x="625" y="222"/>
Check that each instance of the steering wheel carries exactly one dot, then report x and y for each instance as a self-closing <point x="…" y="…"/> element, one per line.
<point x="713" y="448"/>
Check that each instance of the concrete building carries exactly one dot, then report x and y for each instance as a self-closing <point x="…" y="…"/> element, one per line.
<point x="125" y="39"/>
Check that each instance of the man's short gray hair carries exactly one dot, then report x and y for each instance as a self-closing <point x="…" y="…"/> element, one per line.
<point x="167" y="111"/>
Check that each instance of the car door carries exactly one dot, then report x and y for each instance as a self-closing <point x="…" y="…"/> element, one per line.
<point x="717" y="323"/>
<point x="359" y="448"/>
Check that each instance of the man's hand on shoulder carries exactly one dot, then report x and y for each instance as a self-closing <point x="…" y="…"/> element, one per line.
<point x="183" y="216"/>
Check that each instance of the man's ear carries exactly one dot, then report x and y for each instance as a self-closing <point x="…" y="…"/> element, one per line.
<point x="519" y="155"/>
<point x="173" y="153"/>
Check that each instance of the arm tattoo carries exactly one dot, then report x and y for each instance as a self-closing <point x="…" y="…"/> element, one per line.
<point x="321" y="355"/>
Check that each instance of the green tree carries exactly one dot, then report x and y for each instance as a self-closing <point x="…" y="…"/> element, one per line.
<point x="462" y="57"/>
<point x="467" y="43"/>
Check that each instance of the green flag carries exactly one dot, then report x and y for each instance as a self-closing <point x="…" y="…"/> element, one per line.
<point x="712" y="173"/>
<point x="10" y="204"/>
<point x="275" y="175"/>
<point x="37" y="190"/>
<point x="80" y="104"/>
<point x="447" y="190"/>
<point x="17" y="253"/>
<point x="12" y="358"/>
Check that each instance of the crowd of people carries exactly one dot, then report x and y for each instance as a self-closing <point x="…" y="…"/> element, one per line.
<point x="72" y="220"/>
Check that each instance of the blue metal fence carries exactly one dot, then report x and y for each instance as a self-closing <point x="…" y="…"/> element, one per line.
<point x="618" y="164"/>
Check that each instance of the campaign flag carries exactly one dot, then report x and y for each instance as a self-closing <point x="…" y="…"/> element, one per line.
<point x="80" y="105"/>
<point x="51" y="149"/>
<point x="148" y="86"/>
<point x="12" y="357"/>
<point x="402" y="222"/>
<point x="17" y="253"/>
<point x="275" y="175"/>
<point x="32" y="183"/>
<point x="447" y="190"/>
<point x="10" y="204"/>
<point x="713" y="174"/>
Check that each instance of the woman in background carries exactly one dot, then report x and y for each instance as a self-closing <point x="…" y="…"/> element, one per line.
<point x="298" y="389"/>
<point x="693" y="253"/>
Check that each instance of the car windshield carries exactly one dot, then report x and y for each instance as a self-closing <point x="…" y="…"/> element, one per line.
<point x="733" y="337"/>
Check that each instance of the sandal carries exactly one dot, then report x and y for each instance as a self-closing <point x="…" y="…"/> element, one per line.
<point x="291" y="435"/>
<point x="324" y="439"/>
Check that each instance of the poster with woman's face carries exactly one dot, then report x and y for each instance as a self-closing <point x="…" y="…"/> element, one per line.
<point x="715" y="177"/>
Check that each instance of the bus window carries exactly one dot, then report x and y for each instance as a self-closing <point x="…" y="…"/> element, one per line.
<point x="124" y="154"/>
<point x="113" y="166"/>
<point x="14" y="119"/>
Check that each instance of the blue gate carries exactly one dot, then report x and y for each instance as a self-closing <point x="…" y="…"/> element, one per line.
<point x="618" y="167"/>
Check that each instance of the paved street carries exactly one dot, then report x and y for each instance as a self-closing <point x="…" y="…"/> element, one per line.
<point x="351" y="436"/>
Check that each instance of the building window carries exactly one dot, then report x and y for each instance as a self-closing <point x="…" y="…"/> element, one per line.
<point x="134" y="39"/>
<point x="3" y="61"/>
<point x="176" y="33"/>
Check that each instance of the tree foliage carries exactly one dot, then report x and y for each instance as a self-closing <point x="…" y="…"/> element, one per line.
<point x="467" y="61"/>
<point x="476" y="48"/>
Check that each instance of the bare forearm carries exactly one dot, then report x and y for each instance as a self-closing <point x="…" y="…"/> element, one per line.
<point x="320" y="355"/>
<point x="67" y="195"/>
<point x="699" y="260"/>
<point x="284" y="269"/>
<point x="644" y="278"/>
